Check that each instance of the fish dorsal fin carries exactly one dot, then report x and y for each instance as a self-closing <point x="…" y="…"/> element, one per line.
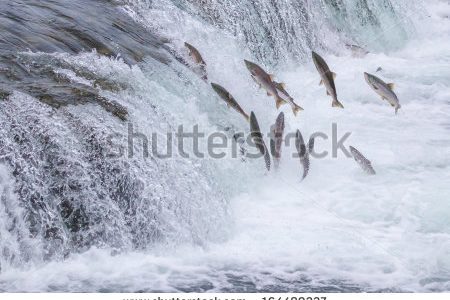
<point x="283" y="85"/>
<point x="272" y="77"/>
<point x="334" y="75"/>
<point x="321" y="82"/>
<point x="391" y="86"/>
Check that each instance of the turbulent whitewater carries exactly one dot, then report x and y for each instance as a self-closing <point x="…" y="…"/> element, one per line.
<point x="76" y="77"/>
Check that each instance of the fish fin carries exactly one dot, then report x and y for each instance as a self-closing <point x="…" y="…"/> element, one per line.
<point x="321" y="82"/>
<point x="328" y="93"/>
<point x="283" y="85"/>
<point x="383" y="98"/>
<point x="272" y="77"/>
<point x="336" y="103"/>
<point x="334" y="75"/>
<point x="391" y="86"/>
<point x="280" y="102"/>
<point x="397" y="108"/>
<point x="393" y="105"/>
<point x="228" y="105"/>
<point x="296" y="109"/>
<point x="269" y="94"/>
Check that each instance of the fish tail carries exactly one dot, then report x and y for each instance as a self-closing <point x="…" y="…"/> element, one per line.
<point x="336" y="103"/>
<point x="296" y="109"/>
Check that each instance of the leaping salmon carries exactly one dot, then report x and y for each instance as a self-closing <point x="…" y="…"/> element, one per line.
<point x="229" y="99"/>
<point x="327" y="78"/>
<point x="198" y="59"/>
<point x="385" y="90"/>
<point x="363" y="162"/>
<point x="276" y="142"/>
<point x="257" y="138"/>
<point x="265" y="81"/>
<point x="302" y="150"/>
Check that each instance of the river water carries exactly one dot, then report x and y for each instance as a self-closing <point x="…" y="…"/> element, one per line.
<point x="76" y="218"/>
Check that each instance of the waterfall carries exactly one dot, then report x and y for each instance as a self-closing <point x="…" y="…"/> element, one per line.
<point x="80" y="182"/>
<point x="286" y="31"/>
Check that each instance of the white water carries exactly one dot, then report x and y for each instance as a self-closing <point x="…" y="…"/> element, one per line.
<point x="339" y="229"/>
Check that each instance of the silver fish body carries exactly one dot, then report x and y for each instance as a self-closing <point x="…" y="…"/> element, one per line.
<point x="229" y="99"/>
<point x="264" y="80"/>
<point x="198" y="59"/>
<point x="302" y="150"/>
<point x="258" y="140"/>
<point x="327" y="78"/>
<point x="384" y="90"/>
<point x="363" y="162"/>
<point x="276" y="142"/>
<point x="311" y="144"/>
